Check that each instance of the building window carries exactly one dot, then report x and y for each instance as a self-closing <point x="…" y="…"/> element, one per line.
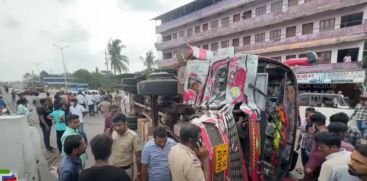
<point x="275" y="35"/>
<point x="292" y="3"/>
<point x="214" y="46"/>
<point x="214" y="24"/>
<point x="205" y="27"/>
<point x="307" y="28"/>
<point x="291" y="32"/>
<point x="279" y="59"/>
<point x="174" y="36"/>
<point x="224" y="44"/>
<point x="197" y="29"/>
<point x="167" y="38"/>
<point x="276" y="7"/>
<point x="247" y="14"/>
<point x="167" y="55"/>
<point x="348" y="55"/>
<point x="189" y="32"/>
<point x="290" y="57"/>
<point x="351" y="20"/>
<point x="235" y="42"/>
<point x="206" y="47"/>
<point x="327" y="24"/>
<point x="260" y="38"/>
<point x="247" y="40"/>
<point x="260" y="10"/>
<point x="324" y="57"/>
<point x="225" y="22"/>
<point x="236" y="17"/>
<point x="181" y="33"/>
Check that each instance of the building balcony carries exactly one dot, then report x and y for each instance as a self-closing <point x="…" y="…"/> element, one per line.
<point x="294" y="12"/>
<point x="348" y="34"/>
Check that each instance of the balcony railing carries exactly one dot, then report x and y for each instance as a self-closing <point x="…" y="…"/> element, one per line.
<point x="337" y="34"/>
<point x="294" y="12"/>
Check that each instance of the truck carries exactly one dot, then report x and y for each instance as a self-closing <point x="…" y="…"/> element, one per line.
<point x="246" y="106"/>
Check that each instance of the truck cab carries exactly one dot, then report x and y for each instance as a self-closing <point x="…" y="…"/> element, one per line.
<point x="246" y="106"/>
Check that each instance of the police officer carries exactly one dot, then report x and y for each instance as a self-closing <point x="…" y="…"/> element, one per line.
<point x="189" y="160"/>
<point x="126" y="143"/>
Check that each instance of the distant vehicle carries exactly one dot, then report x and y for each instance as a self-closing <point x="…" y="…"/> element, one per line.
<point x="327" y="104"/>
<point x="92" y="91"/>
<point x="28" y="92"/>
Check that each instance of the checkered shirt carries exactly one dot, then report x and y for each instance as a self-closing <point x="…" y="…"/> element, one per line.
<point x="353" y="136"/>
<point x="361" y="112"/>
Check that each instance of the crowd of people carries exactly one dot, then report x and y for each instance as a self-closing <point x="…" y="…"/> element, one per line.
<point x="331" y="152"/>
<point x="337" y="151"/>
<point x="159" y="159"/>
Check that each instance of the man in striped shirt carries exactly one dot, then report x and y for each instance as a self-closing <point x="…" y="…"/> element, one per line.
<point x="361" y="115"/>
<point x="155" y="157"/>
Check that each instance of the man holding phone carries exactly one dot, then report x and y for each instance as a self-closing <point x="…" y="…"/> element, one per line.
<point x="189" y="160"/>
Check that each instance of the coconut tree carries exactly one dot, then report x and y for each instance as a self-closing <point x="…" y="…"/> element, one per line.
<point x="119" y="63"/>
<point x="149" y="61"/>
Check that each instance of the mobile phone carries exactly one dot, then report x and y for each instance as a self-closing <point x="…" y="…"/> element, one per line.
<point x="197" y="141"/>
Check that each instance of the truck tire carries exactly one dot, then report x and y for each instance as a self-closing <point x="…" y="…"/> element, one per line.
<point x="132" y="126"/>
<point x="131" y="119"/>
<point x="157" y="87"/>
<point x="129" y="81"/>
<point x="129" y="88"/>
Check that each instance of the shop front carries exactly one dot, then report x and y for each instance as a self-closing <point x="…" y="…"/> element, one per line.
<point x="332" y="78"/>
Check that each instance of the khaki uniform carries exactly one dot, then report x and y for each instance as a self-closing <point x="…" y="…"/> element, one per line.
<point x="184" y="164"/>
<point x="124" y="148"/>
<point x="105" y="106"/>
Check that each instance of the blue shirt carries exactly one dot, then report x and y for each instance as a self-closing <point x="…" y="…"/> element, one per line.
<point x="2" y="104"/>
<point x="157" y="160"/>
<point x="60" y="125"/>
<point x="69" y="169"/>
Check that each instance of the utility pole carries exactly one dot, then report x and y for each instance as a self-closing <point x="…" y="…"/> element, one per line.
<point x="37" y="64"/>
<point x="63" y="63"/>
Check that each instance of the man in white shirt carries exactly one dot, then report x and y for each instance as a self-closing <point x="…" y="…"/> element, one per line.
<point x="81" y="99"/>
<point x="329" y="144"/>
<point x="97" y="100"/>
<point x="79" y="110"/>
<point x="90" y="102"/>
<point x="356" y="170"/>
<point x="126" y="102"/>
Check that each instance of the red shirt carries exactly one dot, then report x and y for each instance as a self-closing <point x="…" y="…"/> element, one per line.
<point x="107" y="123"/>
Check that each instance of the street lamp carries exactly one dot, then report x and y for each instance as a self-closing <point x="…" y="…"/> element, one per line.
<point x="63" y="62"/>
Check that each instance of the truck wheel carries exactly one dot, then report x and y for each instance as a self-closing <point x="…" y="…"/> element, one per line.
<point x="131" y="120"/>
<point x="129" y="81"/>
<point x="158" y="87"/>
<point x="129" y="88"/>
<point x="132" y="126"/>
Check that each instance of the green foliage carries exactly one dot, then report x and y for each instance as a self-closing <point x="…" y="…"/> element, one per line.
<point x="149" y="61"/>
<point x="119" y="62"/>
<point x="95" y="80"/>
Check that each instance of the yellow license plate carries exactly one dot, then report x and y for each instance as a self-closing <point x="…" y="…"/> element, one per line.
<point x="221" y="158"/>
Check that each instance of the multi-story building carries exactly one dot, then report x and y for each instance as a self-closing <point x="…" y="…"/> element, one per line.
<point x="281" y="29"/>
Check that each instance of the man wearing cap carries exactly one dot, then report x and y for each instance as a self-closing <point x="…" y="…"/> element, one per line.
<point x="361" y="114"/>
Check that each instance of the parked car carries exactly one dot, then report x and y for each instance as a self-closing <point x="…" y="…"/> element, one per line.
<point x="28" y="92"/>
<point x="327" y="104"/>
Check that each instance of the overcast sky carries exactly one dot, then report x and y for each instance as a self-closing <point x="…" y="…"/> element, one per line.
<point x="28" y="28"/>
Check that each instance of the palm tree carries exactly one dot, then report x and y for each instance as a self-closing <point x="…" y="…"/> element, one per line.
<point x="119" y="63"/>
<point x="149" y="61"/>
